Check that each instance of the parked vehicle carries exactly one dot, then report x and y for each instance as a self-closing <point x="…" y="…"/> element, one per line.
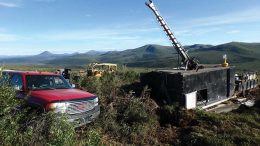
<point x="98" y="69"/>
<point x="51" y="92"/>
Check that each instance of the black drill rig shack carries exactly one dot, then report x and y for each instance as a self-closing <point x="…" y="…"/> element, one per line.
<point x="191" y="85"/>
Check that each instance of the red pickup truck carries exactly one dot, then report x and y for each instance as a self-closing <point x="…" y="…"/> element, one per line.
<point x="51" y="92"/>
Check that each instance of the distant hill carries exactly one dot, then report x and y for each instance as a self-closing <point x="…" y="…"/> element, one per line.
<point x="78" y="59"/>
<point x="243" y="55"/>
<point x="95" y="53"/>
<point x="4" y="56"/>
<point x="197" y="46"/>
<point x="33" y="59"/>
<point x="46" y="54"/>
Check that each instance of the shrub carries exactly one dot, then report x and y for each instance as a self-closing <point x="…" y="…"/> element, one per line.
<point x="129" y="76"/>
<point x="91" y="84"/>
<point x="22" y="125"/>
<point x="109" y="86"/>
<point x="93" y="138"/>
<point x="8" y="122"/>
<point x="133" y="112"/>
<point x="175" y="115"/>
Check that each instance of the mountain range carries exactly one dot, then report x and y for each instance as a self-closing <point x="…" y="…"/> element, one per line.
<point x="243" y="55"/>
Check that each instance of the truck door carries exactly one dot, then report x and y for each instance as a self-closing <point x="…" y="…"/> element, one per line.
<point x="17" y="83"/>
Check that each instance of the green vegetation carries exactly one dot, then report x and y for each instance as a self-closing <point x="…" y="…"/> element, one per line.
<point x="241" y="55"/>
<point x="21" y="125"/>
<point x="133" y="118"/>
<point x="128" y="116"/>
<point x="48" y="68"/>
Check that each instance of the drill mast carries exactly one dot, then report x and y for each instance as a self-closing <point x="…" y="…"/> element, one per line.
<point x="190" y="63"/>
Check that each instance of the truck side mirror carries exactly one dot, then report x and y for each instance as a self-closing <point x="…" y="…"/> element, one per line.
<point x="18" y="88"/>
<point x="73" y="85"/>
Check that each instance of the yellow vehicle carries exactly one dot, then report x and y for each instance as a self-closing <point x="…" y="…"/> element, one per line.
<point x="1" y="69"/>
<point x="98" y="69"/>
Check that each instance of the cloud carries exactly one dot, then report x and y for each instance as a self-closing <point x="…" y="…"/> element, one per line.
<point x="88" y="15"/>
<point x="183" y="33"/>
<point x="243" y="16"/>
<point x="96" y="34"/>
<point x="8" y="38"/>
<point x="81" y="36"/>
<point x="2" y="29"/>
<point x="204" y="25"/>
<point x="233" y="32"/>
<point x="45" y="0"/>
<point x="196" y="31"/>
<point x="8" y="4"/>
<point x="147" y="29"/>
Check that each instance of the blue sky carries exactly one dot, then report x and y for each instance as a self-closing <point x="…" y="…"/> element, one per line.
<point x="67" y="26"/>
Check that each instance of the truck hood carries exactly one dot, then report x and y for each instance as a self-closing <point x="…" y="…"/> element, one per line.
<point x="60" y="95"/>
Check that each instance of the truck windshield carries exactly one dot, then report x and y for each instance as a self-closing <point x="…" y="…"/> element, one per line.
<point x="46" y="82"/>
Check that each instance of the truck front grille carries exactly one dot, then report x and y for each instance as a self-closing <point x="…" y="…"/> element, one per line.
<point x="80" y="106"/>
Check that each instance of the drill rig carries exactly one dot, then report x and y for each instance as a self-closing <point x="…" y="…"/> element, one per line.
<point x="188" y="62"/>
<point x="202" y="88"/>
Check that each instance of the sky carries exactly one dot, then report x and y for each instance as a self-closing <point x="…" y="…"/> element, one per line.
<point x="65" y="26"/>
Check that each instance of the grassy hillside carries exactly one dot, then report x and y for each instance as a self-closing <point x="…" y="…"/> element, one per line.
<point x="145" y="56"/>
<point x="143" y="53"/>
<point x="242" y="55"/>
<point x="33" y="59"/>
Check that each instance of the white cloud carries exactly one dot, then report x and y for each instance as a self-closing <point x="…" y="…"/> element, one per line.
<point x="196" y="31"/>
<point x="205" y="25"/>
<point x="96" y="34"/>
<point x="45" y="0"/>
<point x="8" y="38"/>
<point x="88" y="15"/>
<point x="183" y="33"/>
<point x="2" y="29"/>
<point x="233" y="32"/>
<point x="8" y="4"/>
<point x="147" y="29"/>
<point x="243" y="16"/>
